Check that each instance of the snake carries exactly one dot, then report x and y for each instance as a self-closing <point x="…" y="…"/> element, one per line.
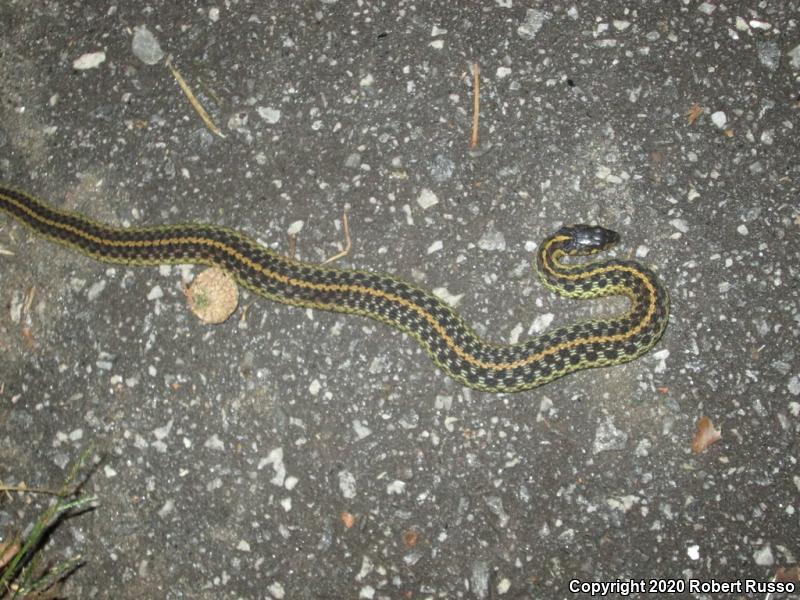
<point x="564" y="264"/>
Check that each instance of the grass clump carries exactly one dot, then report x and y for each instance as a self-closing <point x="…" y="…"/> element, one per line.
<point x="25" y="574"/>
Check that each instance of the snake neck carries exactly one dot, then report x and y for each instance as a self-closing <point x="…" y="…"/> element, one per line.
<point x="649" y="301"/>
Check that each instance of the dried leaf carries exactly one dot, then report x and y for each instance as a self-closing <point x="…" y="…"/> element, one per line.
<point x="694" y="113"/>
<point x="705" y="435"/>
<point x="348" y="520"/>
<point x="788" y="574"/>
<point x="410" y="537"/>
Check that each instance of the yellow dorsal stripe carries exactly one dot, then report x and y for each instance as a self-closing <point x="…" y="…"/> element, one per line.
<point x="367" y="291"/>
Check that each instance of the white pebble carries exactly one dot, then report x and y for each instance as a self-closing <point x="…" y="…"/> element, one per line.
<point x="602" y="172"/>
<point x="295" y="228"/>
<point x="167" y="508"/>
<point x="680" y="224"/>
<point x="542" y="322"/>
<point x="367" y="592"/>
<point x="89" y="61"/>
<point x="661" y="354"/>
<point x="794" y="57"/>
<point x="145" y="46"/>
<point x="492" y="240"/>
<point x="214" y="443"/>
<point x="277" y="591"/>
<point x="763" y="557"/>
<point x="275" y="458"/>
<point x="161" y="433"/>
<point x="396" y="487"/>
<point x="719" y="119"/>
<point x="741" y="24"/>
<point x="361" y="430"/>
<point x="347" y="484"/>
<point x="763" y="25"/>
<point x="534" y="19"/>
<point x="435" y="247"/>
<point x="427" y="198"/>
<point x="95" y="290"/>
<point x="269" y="114"/>
<point x="444" y="294"/>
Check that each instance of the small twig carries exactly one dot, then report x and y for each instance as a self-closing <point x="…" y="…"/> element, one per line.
<point x="292" y="245"/>
<point x="25" y="488"/>
<point x="243" y="318"/>
<point x="476" y="103"/>
<point x="29" y="300"/>
<point x="208" y="90"/>
<point x="193" y="99"/>
<point x="348" y="242"/>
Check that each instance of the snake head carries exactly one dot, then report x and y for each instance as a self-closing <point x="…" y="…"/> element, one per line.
<point x="588" y="239"/>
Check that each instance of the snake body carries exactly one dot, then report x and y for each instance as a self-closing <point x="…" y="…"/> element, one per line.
<point x="452" y="345"/>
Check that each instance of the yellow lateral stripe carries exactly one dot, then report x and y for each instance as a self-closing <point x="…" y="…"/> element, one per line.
<point x="651" y="309"/>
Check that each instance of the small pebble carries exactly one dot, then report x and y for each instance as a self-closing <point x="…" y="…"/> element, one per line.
<point x="608" y="437"/>
<point x="145" y="46"/>
<point x="764" y="557"/>
<point x="269" y="114"/>
<point x="89" y="61"/>
<point x="427" y="198"/>
<point x="534" y="19"/>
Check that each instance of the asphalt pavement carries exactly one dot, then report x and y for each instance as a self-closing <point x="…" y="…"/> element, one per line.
<point x="290" y="453"/>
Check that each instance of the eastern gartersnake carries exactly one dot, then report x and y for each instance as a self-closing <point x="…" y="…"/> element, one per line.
<point x="450" y="342"/>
